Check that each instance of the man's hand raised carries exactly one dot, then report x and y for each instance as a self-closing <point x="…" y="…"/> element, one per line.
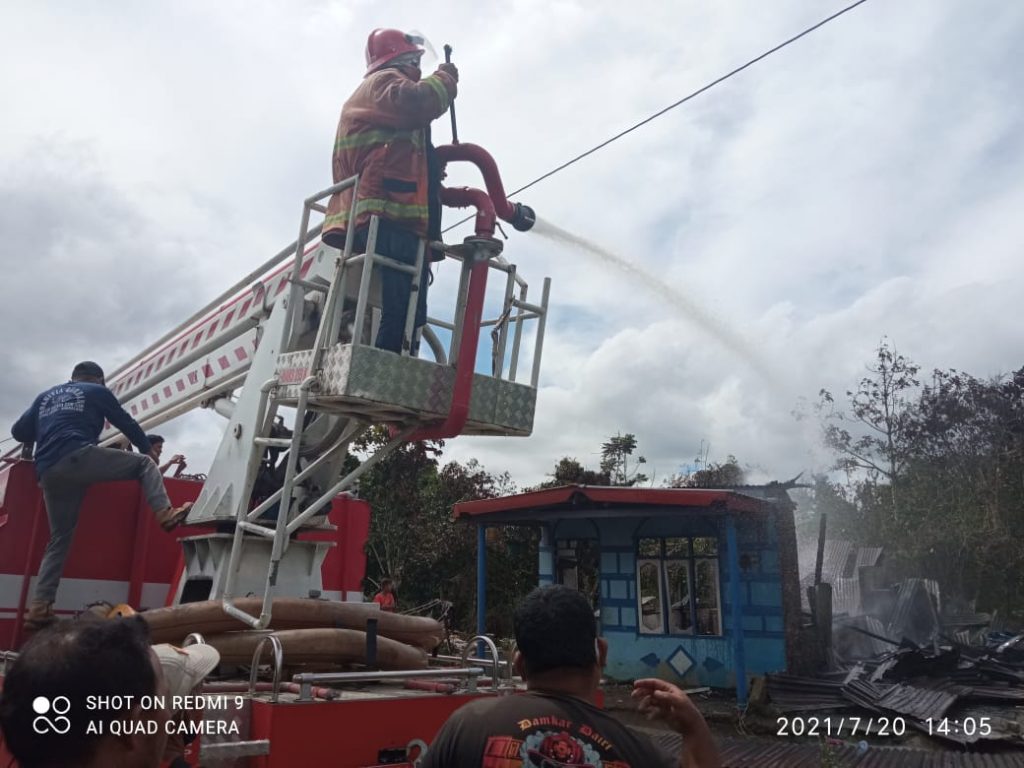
<point x="658" y="698"/>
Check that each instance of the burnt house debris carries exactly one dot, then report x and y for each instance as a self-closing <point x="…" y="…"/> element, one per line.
<point x="897" y="652"/>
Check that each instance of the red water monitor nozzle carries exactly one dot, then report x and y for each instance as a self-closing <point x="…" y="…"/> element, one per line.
<point x="523" y="217"/>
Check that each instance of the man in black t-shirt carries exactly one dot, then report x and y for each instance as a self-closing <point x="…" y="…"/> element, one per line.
<point x="555" y="723"/>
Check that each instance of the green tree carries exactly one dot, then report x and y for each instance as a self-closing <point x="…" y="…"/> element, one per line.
<point x="935" y="473"/>
<point x="616" y="467"/>
<point x="869" y="438"/>
<point x="569" y="471"/>
<point x="725" y="474"/>
<point x="398" y="489"/>
<point x="966" y="479"/>
<point x="415" y="540"/>
<point x="616" y="453"/>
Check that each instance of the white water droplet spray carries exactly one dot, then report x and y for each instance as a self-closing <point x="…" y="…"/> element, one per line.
<point x="683" y="305"/>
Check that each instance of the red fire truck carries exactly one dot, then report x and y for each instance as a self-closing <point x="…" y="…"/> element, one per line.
<point x="271" y="560"/>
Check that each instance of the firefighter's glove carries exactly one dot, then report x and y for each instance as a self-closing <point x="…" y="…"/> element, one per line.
<point x="449" y="69"/>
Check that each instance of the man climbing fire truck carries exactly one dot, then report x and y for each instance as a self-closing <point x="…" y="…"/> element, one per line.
<point x="65" y="423"/>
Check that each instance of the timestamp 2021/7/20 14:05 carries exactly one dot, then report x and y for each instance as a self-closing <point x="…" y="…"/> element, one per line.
<point x="848" y="726"/>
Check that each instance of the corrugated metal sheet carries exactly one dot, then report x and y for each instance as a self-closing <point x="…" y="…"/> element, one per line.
<point x="921" y="703"/>
<point x="846" y="597"/>
<point x="841" y="559"/>
<point x="915" y="612"/>
<point x="764" y="753"/>
<point x="994" y="693"/>
<point x="869" y="556"/>
<point x="839" y="567"/>
<point x="789" y="693"/>
<point x="907" y="700"/>
<point x="864" y="694"/>
<point x="754" y="754"/>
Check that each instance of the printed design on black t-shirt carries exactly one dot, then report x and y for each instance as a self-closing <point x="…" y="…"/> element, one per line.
<point x="555" y="750"/>
<point x="62" y="399"/>
<point x="550" y="742"/>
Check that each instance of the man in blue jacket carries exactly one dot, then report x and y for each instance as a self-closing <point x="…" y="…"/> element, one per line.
<point x="65" y="423"/>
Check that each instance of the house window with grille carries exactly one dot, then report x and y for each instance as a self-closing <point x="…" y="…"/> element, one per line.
<point x="677" y="586"/>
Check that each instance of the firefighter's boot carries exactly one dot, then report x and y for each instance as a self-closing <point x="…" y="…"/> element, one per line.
<point x="40" y="614"/>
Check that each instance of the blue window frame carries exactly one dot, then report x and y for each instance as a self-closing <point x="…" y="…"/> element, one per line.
<point x="678" y="586"/>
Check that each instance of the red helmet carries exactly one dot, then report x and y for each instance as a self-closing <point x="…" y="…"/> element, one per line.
<point x="384" y="45"/>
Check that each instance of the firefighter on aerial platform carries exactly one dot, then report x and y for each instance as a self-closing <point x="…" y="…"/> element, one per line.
<point x="384" y="137"/>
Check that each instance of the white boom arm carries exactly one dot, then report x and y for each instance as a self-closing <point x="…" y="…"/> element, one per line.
<point x="208" y="355"/>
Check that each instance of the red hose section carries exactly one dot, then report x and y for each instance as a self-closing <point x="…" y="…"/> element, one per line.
<point x="488" y="205"/>
<point x="459" y="412"/>
<point x="472" y="153"/>
<point x="465" y="197"/>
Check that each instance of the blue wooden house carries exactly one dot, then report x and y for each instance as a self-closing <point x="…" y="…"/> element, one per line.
<point x="696" y="586"/>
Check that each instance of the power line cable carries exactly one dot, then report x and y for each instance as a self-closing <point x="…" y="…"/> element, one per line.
<point x="672" y="106"/>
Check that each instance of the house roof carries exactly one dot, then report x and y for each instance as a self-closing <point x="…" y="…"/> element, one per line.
<point x="589" y="501"/>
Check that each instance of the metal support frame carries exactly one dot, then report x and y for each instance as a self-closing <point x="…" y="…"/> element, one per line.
<point x="220" y="390"/>
<point x="481" y="583"/>
<point x="502" y="323"/>
<point x="505" y="665"/>
<point x="414" y="298"/>
<point x="517" y="337"/>
<point x="516" y="310"/>
<point x="485" y="641"/>
<point x="262" y="413"/>
<point x="293" y="510"/>
<point x="738" y="650"/>
<point x="278" y="665"/>
<point x="541" y="325"/>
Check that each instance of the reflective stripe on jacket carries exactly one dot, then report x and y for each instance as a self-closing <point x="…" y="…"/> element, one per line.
<point x="382" y="138"/>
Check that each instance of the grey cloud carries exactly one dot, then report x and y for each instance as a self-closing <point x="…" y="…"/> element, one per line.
<point x="87" y="273"/>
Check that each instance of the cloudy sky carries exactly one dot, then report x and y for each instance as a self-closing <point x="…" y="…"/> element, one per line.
<point x="864" y="182"/>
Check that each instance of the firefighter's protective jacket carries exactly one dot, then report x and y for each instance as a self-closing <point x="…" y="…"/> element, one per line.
<point x="382" y="135"/>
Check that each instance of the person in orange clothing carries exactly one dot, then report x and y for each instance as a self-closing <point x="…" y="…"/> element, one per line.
<point x="384" y="137"/>
<point x="386" y="597"/>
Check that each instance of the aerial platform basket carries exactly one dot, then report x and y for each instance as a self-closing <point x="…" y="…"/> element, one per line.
<point x="381" y="387"/>
<point x="314" y="359"/>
